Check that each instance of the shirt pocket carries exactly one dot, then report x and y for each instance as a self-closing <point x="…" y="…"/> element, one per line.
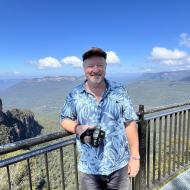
<point x="115" y="109"/>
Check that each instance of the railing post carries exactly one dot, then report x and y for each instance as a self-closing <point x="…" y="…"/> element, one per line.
<point x="140" y="180"/>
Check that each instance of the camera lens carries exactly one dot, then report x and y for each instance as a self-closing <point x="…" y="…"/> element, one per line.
<point x="87" y="139"/>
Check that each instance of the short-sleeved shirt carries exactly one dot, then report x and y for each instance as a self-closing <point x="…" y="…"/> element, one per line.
<point x="110" y="114"/>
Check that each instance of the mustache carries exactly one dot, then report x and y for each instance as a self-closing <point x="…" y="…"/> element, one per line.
<point x="95" y="74"/>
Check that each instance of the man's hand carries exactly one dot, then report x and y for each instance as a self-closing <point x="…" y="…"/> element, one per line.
<point x="82" y="128"/>
<point x="73" y="127"/>
<point x="133" y="167"/>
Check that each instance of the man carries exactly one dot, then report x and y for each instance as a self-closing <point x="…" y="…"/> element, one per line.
<point x="100" y="104"/>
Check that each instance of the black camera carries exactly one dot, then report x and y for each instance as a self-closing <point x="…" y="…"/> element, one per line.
<point x="93" y="136"/>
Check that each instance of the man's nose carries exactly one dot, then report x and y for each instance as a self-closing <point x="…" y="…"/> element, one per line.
<point x="95" y="68"/>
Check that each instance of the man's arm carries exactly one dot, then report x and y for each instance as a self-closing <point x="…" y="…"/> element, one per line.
<point x="132" y="135"/>
<point x="73" y="127"/>
<point x="69" y="125"/>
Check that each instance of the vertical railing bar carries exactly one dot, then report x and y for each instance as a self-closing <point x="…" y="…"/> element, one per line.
<point x="187" y="143"/>
<point x="9" y="177"/>
<point x="154" y="151"/>
<point x="133" y="183"/>
<point x="148" y="155"/>
<point x="170" y="144"/>
<point x="76" y="170"/>
<point x="183" y="142"/>
<point x="160" y="147"/>
<point x="29" y="174"/>
<point x="179" y="140"/>
<point x="62" y="168"/>
<point x="165" y="139"/>
<point x="175" y="133"/>
<point x="140" y="179"/>
<point x="47" y="170"/>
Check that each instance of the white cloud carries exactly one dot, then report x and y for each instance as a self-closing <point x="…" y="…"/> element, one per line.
<point x="112" y="58"/>
<point x="146" y="70"/>
<point x="169" y="57"/>
<point x="188" y="60"/>
<point x="172" y="62"/>
<point x="48" y="62"/>
<point x="72" y="60"/>
<point x="160" y="53"/>
<point x="184" y="40"/>
<point x="16" y="72"/>
<point x="51" y="62"/>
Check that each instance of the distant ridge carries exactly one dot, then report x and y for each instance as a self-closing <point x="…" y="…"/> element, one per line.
<point x="169" y="75"/>
<point x="6" y="83"/>
<point x="186" y="79"/>
<point x="45" y="92"/>
<point x="56" y="78"/>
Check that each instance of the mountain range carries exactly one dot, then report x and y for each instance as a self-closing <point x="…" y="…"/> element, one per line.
<point x="172" y="75"/>
<point x="6" y="83"/>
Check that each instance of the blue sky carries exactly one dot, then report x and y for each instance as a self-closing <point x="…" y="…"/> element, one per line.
<point x="48" y="37"/>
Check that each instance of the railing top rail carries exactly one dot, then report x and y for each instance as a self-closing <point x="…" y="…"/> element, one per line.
<point x="162" y="108"/>
<point x="165" y="113"/>
<point x="27" y="143"/>
<point x="36" y="152"/>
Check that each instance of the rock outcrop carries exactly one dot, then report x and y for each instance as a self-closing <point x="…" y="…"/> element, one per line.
<point x="17" y="125"/>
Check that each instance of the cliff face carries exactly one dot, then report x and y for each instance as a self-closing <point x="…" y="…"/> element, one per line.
<point x="17" y="125"/>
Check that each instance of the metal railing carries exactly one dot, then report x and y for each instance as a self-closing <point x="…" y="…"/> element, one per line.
<point x="164" y="138"/>
<point x="45" y="150"/>
<point x="164" y="135"/>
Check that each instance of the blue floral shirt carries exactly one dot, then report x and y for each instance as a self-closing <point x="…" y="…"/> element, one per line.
<point x="114" y="109"/>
